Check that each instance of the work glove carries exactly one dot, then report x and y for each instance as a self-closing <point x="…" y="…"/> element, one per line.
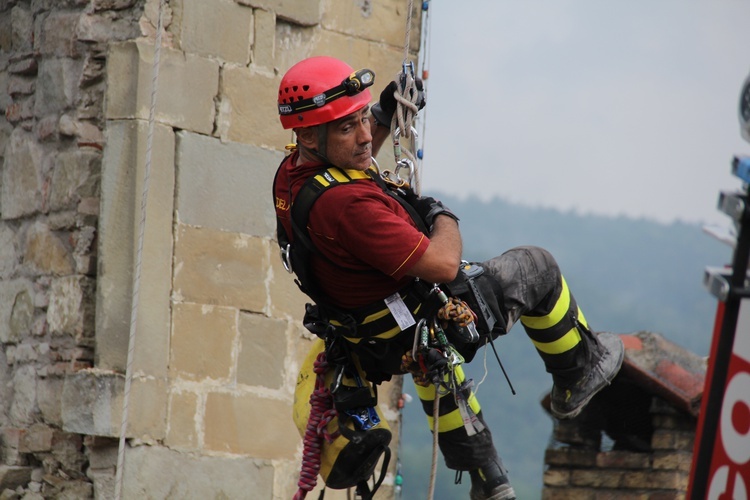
<point x="427" y="208"/>
<point x="383" y="109"/>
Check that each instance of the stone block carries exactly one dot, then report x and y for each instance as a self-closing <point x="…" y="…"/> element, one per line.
<point x="123" y="168"/>
<point x="262" y="356"/>
<point x="219" y="268"/>
<point x="556" y="477"/>
<point x="672" y="440"/>
<point x="49" y="393"/>
<point x="678" y="460"/>
<point x="46" y="252"/>
<point x="665" y="480"/>
<point x="182" y="431"/>
<point x="382" y="21"/>
<point x="8" y="251"/>
<point x="264" y="39"/>
<point x="247" y="424"/>
<point x="13" y="476"/>
<point x="92" y="404"/>
<point x="222" y="29"/>
<point x="71" y="308"/>
<point x="569" y="457"/>
<point x="76" y="175"/>
<point x="38" y="438"/>
<point x="569" y="494"/>
<point x="187" y="86"/>
<point x="57" y="85"/>
<point x="21" y="187"/>
<point x="597" y="478"/>
<point x="194" y="477"/>
<point x="22" y="28"/>
<point x="225" y="186"/>
<point x="23" y="408"/>
<point x="623" y="460"/>
<point x="16" y="309"/>
<point x="248" y="111"/>
<point x="203" y="342"/>
<point x="58" y="35"/>
<point x="307" y="13"/>
<point x="105" y="27"/>
<point x="286" y="297"/>
<point x="6" y="34"/>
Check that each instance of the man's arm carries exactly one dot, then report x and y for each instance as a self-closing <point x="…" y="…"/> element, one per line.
<point x="439" y="263"/>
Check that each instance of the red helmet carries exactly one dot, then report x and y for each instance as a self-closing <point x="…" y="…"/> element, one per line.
<point x="322" y="89"/>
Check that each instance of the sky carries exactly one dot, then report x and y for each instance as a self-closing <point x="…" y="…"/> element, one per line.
<point x="599" y="107"/>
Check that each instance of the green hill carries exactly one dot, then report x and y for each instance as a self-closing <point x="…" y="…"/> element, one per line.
<point x="627" y="275"/>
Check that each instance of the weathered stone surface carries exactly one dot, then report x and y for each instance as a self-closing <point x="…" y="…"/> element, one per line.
<point x="221" y="29"/>
<point x="23" y="407"/>
<point x="8" y="251"/>
<point x="15" y="301"/>
<point x="71" y="308"/>
<point x="21" y="189"/>
<point x="182" y="432"/>
<point x="286" y="297"/>
<point x="187" y="86"/>
<point x="49" y="392"/>
<point x="122" y="190"/>
<point x="245" y="113"/>
<point x="57" y="85"/>
<point x="220" y="268"/>
<point x="193" y="477"/>
<point x="22" y="28"/>
<point x="92" y="404"/>
<point x="11" y="477"/>
<point x="382" y="21"/>
<point x="203" y="340"/>
<point x="76" y="176"/>
<point x="307" y="13"/>
<point x="112" y="4"/>
<point x="244" y="424"/>
<point x="45" y="252"/>
<point x="222" y="184"/>
<point x="105" y="26"/>
<point x="264" y="39"/>
<point x="262" y="351"/>
<point x="58" y="35"/>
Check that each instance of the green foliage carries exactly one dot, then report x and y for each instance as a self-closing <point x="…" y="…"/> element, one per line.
<point x="627" y="275"/>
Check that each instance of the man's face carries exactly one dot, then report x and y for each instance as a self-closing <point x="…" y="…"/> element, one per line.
<point x="350" y="141"/>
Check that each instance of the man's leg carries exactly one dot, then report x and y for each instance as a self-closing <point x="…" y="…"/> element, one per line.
<point x="466" y="445"/>
<point x="534" y="291"/>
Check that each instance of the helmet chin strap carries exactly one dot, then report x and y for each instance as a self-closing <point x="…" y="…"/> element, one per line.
<point x="320" y="152"/>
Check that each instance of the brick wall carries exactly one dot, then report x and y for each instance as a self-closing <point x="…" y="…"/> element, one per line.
<point x="219" y="339"/>
<point x="649" y="458"/>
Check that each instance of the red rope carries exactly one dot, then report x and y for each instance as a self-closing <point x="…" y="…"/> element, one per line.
<point x="321" y="414"/>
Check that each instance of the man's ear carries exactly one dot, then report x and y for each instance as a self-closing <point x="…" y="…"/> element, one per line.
<point x="308" y="137"/>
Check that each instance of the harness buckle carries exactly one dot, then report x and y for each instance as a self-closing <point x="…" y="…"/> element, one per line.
<point x="286" y="259"/>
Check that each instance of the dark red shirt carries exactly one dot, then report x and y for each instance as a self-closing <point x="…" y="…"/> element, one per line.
<point x="368" y="236"/>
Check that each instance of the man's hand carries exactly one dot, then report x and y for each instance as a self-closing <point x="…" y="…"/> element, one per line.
<point x="428" y="208"/>
<point x="383" y="109"/>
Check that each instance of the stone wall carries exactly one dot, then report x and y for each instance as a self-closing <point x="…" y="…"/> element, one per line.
<point x="218" y="334"/>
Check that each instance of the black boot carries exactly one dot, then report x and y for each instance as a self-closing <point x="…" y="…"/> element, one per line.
<point x="491" y="483"/>
<point x="599" y="361"/>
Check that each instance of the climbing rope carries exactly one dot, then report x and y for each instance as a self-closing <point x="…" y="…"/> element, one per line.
<point x="321" y="414"/>
<point x="138" y="259"/>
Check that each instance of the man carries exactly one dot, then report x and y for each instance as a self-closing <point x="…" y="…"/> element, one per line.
<point x="366" y="250"/>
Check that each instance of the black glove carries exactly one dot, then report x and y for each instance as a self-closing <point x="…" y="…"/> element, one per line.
<point x="428" y="208"/>
<point x="383" y="109"/>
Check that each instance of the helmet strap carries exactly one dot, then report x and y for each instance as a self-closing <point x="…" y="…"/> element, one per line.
<point x="322" y="140"/>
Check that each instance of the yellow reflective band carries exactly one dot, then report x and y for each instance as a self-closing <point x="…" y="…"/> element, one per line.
<point x="428" y="393"/>
<point x="561" y="345"/>
<point x="582" y="318"/>
<point x="373" y="317"/>
<point x="322" y="180"/>
<point x="356" y="174"/>
<point x="554" y="317"/>
<point x="453" y="420"/>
